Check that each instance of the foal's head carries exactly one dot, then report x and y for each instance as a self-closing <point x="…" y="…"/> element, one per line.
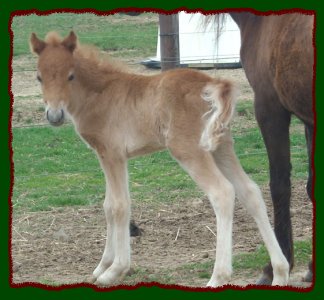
<point x="55" y="72"/>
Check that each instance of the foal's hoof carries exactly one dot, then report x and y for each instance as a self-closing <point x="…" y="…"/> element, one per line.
<point x="264" y="280"/>
<point x="90" y="279"/>
<point x="106" y="284"/>
<point x="100" y="284"/>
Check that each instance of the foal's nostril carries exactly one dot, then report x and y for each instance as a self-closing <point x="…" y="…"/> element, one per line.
<point x="55" y="116"/>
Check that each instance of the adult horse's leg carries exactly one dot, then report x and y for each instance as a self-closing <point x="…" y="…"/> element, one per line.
<point x="309" y="131"/>
<point x="274" y="123"/>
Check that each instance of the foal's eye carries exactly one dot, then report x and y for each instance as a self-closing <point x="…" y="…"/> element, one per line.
<point x="39" y="78"/>
<point x="71" y="77"/>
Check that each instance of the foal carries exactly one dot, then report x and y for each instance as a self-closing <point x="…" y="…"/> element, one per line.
<point x="122" y="115"/>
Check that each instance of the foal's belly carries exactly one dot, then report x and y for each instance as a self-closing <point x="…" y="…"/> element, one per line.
<point x="133" y="151"/>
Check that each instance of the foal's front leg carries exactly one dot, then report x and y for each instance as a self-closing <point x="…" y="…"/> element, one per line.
<point x="115" y="261"/>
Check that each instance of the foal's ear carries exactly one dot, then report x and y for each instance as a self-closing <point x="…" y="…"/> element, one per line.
<point x="36" y="45"/>
<point x="70" y="42"/>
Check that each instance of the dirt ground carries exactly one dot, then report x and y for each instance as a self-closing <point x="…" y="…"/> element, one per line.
<point x="63" y="246"/>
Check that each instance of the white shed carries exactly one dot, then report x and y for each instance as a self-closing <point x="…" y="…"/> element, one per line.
<point x="198" y="46"/>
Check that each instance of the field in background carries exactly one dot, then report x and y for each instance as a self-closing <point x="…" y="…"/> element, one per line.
<point x="51" y="160"/>
<point x="118" y="34"/>
<point x="54" y="169"/>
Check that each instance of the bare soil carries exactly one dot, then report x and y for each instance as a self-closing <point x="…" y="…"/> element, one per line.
<point x="63" y="246"/>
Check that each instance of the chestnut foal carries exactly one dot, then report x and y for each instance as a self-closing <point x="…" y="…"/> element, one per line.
<point x="122" y="115"/>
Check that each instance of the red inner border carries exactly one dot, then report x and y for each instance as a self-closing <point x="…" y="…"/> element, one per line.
<point x="151" y="284"/>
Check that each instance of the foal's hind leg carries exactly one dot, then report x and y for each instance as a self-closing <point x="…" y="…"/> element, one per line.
<point x="250" y="195"/>
<point x="201" y="167"/>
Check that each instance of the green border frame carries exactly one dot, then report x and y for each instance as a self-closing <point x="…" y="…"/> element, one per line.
<point x="6" y="10"/>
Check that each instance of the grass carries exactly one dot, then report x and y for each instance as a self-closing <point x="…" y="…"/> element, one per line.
<point x="246" y="109"/>
<point x="253" y="261"/>
<point x="110" y="33"/>
<point x="53" y="167"/>
<point x="246" y="263"/>
<point x="251" y="150"/>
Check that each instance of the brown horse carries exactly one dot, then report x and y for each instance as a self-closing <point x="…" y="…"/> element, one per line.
<point x="122" y="115"/>
<point x="277" y="54"/>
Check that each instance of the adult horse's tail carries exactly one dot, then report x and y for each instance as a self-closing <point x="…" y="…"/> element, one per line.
<point x="221" y="96"/>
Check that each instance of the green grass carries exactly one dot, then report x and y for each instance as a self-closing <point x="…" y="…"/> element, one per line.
<point x="251" y="150"/>
<point x="245" y="108"/>
<point x="54" y="168"/>
<point x="48" y="282"/>
<point x="252" y="261"/>
<point x="111" y="33"/>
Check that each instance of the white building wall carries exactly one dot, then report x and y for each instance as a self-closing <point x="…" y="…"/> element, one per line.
<point x="198" y="45"/>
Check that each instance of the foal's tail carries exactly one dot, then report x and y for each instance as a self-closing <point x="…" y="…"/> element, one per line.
<point x="221" y="95"/>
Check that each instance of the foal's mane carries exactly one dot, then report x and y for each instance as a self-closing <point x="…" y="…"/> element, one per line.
<point x="53" y="38"/>
<point x="90" y="55"/>
<point x="99" y="59"/>
<point x="94" y="67"/>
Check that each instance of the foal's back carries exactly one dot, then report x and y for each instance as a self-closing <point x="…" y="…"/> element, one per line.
<point x="172" y="106"/>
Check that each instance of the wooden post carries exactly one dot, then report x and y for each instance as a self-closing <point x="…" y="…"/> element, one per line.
<point x="169" y="41"/>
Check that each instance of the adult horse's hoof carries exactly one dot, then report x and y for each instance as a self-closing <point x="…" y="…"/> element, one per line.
<point x="308" y="277"/>
<point x="264" y="280"/>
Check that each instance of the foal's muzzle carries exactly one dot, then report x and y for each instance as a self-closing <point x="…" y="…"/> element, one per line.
<point x="55" y="116"/>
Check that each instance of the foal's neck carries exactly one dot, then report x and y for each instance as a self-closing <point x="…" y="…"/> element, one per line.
<point x="92" y="77"/>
